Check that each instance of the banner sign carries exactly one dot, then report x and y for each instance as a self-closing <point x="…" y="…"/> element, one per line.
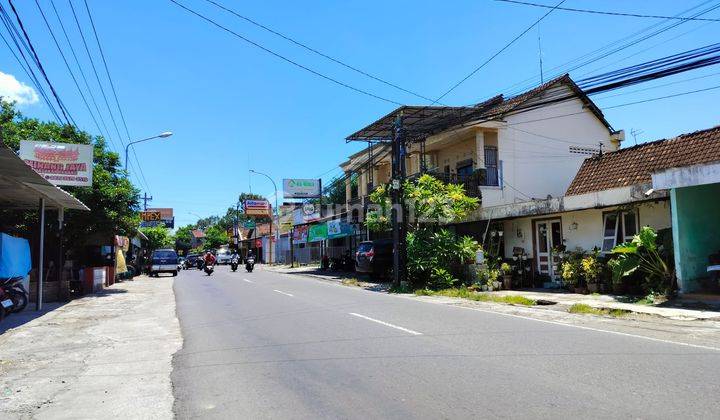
<point x="300" y="234"/>
<point x="338" y="229"/>
<point x="249" y="224"/>
<point x="60" y="163"/>
<point x="301" y="188"/>
<point x="157" y="217"/>
<point x="150" y="216"/>
<point x="317" y="232"/>
<point x="257" y="207"/>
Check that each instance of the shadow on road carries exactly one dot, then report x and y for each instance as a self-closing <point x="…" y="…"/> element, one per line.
<point x="17" y="319"/>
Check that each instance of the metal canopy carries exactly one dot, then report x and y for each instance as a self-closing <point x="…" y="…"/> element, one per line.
<point x="422" y="121"/>
<point x="22" y="188"/>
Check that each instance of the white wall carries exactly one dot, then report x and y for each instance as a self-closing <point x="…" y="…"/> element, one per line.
<point x="589" y="232"/>
<point x="534" y="150"/>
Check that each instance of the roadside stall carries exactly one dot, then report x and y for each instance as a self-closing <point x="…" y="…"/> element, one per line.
<point x="23" y="189"/>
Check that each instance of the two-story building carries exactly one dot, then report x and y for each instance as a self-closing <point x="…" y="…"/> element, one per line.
<point x="506" y="151"/>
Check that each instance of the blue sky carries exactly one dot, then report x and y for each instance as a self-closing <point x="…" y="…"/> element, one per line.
<point x="233" y="106"/>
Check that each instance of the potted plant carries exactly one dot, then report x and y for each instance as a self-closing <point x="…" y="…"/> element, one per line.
<point x="507" y="275"/>
<point x="591" y="270"/>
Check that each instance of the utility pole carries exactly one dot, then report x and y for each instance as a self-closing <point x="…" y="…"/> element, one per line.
<point x="145" y="200"/>
<point x="397" y="216"/>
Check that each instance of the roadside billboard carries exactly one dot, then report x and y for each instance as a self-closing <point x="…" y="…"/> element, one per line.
<point x="158" y="217"/>
<point x="60" y="163"/>
<point x="257" y="208"/>
<point x="301" y="188"/>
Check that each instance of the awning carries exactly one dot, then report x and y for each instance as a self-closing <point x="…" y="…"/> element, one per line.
<point x="22" y="188"/>
<point x="423" y="121"/>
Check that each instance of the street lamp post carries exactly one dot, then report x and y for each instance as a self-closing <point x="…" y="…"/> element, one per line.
<point x="276" y="209"/>
<point x="159" y="136"/>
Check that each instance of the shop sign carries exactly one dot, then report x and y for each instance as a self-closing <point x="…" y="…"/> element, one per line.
<point x="60" y="163"/>
<point x="317" y="232"/>
<point x="257" y="207"/>
<point x="301" y="188"/>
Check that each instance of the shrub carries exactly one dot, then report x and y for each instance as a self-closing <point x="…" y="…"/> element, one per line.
<point x="441" y="278"/>
<point x="591" y="268"/>
<point x="642" y="254"/>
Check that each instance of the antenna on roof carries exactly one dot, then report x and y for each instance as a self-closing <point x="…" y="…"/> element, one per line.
<point x="542" y="78"/>
<point x="635" y="133"/>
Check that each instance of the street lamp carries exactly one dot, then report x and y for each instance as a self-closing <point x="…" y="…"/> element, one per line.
<point x="277" y="231"/>
<point x="162" y="135"/>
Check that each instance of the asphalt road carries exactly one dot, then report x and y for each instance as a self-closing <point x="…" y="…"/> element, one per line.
<point x="269" y="345"/>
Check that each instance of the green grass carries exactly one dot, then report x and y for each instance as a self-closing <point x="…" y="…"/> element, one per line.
<point x="480" y="297"/>
<point x="582" y="308"/>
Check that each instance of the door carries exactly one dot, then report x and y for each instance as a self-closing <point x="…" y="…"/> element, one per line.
<point x="548" y="236"/>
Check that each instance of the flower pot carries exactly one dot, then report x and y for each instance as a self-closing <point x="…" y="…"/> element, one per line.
<point x="507" y="281"/>
<point x="592" y="287"/>
<point x="484" y="287"/>
<point x="580" y="289"/>
<point x="496" y="285"/>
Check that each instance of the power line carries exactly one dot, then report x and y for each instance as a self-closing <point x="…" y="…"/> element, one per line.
<point x="602" y="12"/>
<point x="659" y="86"/>
<point x="114" y="92"/>
<point x="486" y="62"/>
<point x="106" y="133"/>
<point x="67" y="65"/>
<point x="97" y="77"/>
<point x="628" y="40"/>
<point x="19" y="43"/>
<point x="288" y="60"/>
<point x="68" y="118"/>
<point x="663" y="97"/>
<point x="321" y="54"/>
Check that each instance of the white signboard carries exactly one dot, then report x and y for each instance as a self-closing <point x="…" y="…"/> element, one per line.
<point x="60" y="163"/>
<point x="301" y="188"/>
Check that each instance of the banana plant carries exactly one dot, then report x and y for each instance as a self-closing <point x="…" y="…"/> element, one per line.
<point x="642" y="253"/>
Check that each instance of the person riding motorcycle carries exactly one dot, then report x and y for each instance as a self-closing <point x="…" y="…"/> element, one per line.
<point x="249" y="254"/>
<point x="209" y="258"/>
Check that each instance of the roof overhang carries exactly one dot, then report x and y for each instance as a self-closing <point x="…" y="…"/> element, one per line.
<point x="687" y="176"/>
<point x="22" y="188"/>
<point x="420" y="122"/>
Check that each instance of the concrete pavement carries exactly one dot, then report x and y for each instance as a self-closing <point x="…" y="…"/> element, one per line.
<point x="271" y="345"/>
<point x="106" y="355"/>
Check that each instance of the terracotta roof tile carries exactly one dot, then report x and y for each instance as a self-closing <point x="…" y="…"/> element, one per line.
<point x="634" y="165"/>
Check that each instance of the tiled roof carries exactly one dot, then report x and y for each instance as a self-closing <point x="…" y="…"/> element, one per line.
<point x="198" y="233"/>
<point x="634" y="165"/>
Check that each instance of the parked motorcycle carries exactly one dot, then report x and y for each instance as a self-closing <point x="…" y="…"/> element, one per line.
<point x="6" y="303"/>
<point x="14" y="288"/>
<point x="234" y="261"/>
<point x="250" y="264"/>
<point x="209" y="269"/>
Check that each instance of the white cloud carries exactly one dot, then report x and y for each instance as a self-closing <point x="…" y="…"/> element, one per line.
<point x="11" y="89"/>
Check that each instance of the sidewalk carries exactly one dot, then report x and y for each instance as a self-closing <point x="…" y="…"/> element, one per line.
<point x="665" y="310"/>
<point x="106" y="355"/>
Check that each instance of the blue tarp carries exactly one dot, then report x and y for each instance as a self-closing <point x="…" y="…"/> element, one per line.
<point x="14" y="256"/>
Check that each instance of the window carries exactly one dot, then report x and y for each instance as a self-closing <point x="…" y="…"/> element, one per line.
<point x="491" y="165"/>
<point x="464" y="168"/>
<point x="619" y="227"/>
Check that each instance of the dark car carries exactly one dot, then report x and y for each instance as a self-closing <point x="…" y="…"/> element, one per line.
<point x="163" y="261"/>
<point x="375" y="258"/>
<point x="191" y="261"/>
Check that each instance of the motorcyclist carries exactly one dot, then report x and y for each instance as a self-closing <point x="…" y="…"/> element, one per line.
<point x="250" y="254"/>
<point x="209" y="259"/>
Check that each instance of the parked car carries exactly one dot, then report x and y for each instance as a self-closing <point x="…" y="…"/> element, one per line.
<point x="375" y="258"/>
<point x="223" y="256"/>
<point x="164" y="261"/>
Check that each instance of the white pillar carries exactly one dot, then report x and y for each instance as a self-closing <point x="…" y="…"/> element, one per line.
<point x="480" y="149"/>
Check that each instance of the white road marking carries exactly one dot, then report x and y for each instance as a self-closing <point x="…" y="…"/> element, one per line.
<point x="248" y="281"/>
<point x="283" y="293"/>
<point x="386" y="324"/>
<point x="659" y="340"/>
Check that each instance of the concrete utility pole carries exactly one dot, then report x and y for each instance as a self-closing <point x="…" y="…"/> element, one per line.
<point x="396" y="195"/>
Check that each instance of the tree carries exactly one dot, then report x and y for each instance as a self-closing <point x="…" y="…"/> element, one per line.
<point x="335" y="191"/>
<point x="158" y="237"/>
<point x="215" y="236"/>
<point x="431" y="250"/>
<point x="183" y="237"/>
<point x="113" y="200"/>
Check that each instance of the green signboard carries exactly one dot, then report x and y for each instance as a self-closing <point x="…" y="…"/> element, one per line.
<point x="249" y="224"/>
<point x="317" y="232"/>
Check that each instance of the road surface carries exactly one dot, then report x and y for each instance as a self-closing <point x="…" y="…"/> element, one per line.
<point x="270" y="345"/>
